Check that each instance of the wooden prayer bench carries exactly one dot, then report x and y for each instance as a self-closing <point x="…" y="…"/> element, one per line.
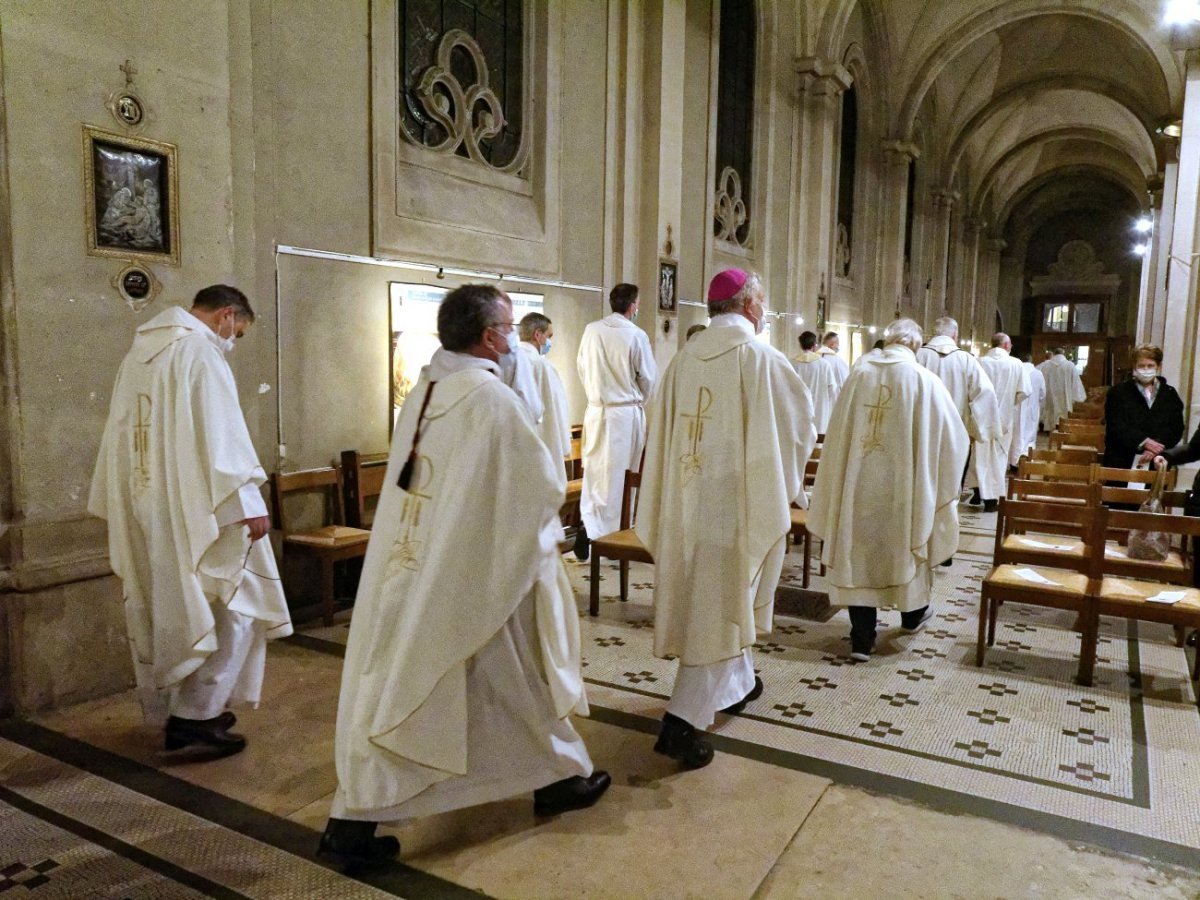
<point x="330" y="544"/>
<point x="362" y="482"/>
<point x="623" y="545"/>
<point x="1021" y="574"/>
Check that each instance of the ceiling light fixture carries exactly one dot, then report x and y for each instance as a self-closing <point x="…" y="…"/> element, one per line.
<point x="1171" y="128"/>
<point x="1143" y="225"/>
<point x="1181" y="12"/>
<point x="1141" y="249"/>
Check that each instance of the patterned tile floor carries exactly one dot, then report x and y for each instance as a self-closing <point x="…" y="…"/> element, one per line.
<point x="1119" y="755"/>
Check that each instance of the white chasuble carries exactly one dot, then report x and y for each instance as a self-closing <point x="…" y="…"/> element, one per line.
<point x="617" y="369"/>
<point x="885" y="500"/>
<point x="837" y="366"/>
<point x="971" y="390"/>
<point x="1011" y="382"/>
<point x="1026" y="432"/>
<point x="465" y="632"/>
<point x="174" y="457"/>
<point x="731" y="428"/>
<point x="1064" y="388"/>
<point x="554" y="426"/>
<point x="822" y="382"/>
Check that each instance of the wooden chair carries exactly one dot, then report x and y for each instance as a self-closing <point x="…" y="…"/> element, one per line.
<point x="330" y="544"/>
<point x="1078" y="456"/>
<point x="1029" y="469"/>
<point x="799" y="533"/>
<point x="569" y="512"/>
<point x="623" y="545"/>
<point x="1105" y="474"/>
<point x="1060" y="440"/>
<point x="1064" y="584"/>
<point x="1126" y="585"/>
<point x="362" y="483"/>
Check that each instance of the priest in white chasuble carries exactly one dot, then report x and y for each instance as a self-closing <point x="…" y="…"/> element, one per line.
<point x="463" y="663"/>
<point x="969" y="386"/>
<point x="1064" y="388"/>
<point x="731" y="427"/>
<point x="537" y="334"/>
<point x="1011" y="382"/>
<point x="819" y="377"/>
<point x="885" y="500"/>
<point x="178" y="481"/>
<point x="1026" y="431"/>
<point x="616" y="366"/>
<point x="828" y="350"/>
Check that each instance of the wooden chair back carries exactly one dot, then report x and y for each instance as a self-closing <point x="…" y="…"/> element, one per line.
<point x="1060" y="439"/>
<point x="1081" y="426"/>
<point x="575" y="460"/>
<point x="1103" y="474"/>
<point x="1081" y="521"/>
<point x="1029" y="469"/>
<point x="1075" y="456"/>
<point x="633" y="482"/>
<point x="362" y="482"/>
<point x="326" y="480"/>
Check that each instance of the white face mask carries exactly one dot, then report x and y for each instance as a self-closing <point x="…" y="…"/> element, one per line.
<point x="227" y="343"/>
<point x="545" y="347"/>
<point x="1145" y="375"/>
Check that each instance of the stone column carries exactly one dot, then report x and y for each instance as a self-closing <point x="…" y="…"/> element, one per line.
<point x="1164" y="225"/>
<point x="1183" y="285"/>
<point x="953" y="301"/>
<point x="813" y="221"/>
<point x="943" y="206"/>
<point x="893" y="199"/>
<point x="972" y="229"/>
<point x="1010" y="293"/>
<point x="987" y="296"/>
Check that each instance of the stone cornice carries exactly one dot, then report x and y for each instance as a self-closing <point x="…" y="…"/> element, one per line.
<point x="819" y="75"/>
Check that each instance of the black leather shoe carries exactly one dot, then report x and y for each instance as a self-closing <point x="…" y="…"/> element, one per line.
<point x="975" y="500"/>
<point x="354" y="845"/>
<point x="755" y="693"/>
<point x="582" y="544"/>
<point x="991" y="505"/>
<point x="678" y="740"/>
<point x="949" y="562"/>
<point x="571" y="793"/>
<point x="205" y="735"/>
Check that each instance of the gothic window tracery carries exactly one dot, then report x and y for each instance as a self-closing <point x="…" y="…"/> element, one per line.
<point x="462" y="79"/>
<point x="732" y="210"/>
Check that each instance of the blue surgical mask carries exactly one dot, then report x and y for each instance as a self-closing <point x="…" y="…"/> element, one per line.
<point x="514" y="341"/>
<point x="545" y="347"/>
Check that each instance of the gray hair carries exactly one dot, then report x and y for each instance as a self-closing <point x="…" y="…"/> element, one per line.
<point x="467" y="312"/>
<point x="945" y="327"/>
<point x="735" y="303"/>
<point x="905" y="332"/>
<point x="999" y="339"/>
<point x="533" y="323"/>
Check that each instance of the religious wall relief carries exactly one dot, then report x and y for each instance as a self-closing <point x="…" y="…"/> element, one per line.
<point x="732" y="208"/>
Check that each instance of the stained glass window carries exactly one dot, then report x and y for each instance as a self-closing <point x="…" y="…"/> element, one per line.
<point x="497" y="27"/>
<point x="735" y="103"/>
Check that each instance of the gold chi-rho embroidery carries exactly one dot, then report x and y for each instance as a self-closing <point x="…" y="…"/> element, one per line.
<point x="873" y="439"/>
<point x="692" y="462"/>
<point x="141" y="441"/>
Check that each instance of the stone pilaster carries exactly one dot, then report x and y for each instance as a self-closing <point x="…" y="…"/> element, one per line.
<point x="893" y="193"/>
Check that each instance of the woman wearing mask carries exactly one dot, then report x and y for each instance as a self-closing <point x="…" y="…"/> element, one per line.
<point x="1143" y="416"/>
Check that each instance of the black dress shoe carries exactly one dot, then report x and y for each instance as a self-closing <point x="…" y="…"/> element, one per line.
<point x="202" y="735"/>
<point x="755" y="693"/>
<point x="571" y="793"/>
<point x="678" y="740"/>
<point x="975" y="500"/>
<point x="948" y="562"/>
<point x="991" y="505"/>
<point x="354" y="845"/>
<point x="582" y="543"/>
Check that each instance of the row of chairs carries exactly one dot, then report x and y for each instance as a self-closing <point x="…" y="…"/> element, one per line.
<point x="346" y="496"/>
<point x="624" y="546"/>
<point x="1058" y="546"/>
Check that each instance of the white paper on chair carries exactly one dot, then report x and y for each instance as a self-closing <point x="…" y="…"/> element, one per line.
<point x="1033" y="577"/>
<point x="1115" y="551"/>
<point x="1167" y="597"/>
<point x="1144" y="465"/>
<point x="1030" y="542"/>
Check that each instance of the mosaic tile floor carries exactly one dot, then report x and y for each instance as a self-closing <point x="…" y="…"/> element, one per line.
<point x="66" y="833"/>
<point x="1019" y="731"/>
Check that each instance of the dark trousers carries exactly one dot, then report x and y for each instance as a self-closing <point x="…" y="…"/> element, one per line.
<point x="863" y="619"/>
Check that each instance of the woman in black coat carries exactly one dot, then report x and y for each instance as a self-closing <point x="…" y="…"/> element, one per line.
<point x="1142" y="416"/>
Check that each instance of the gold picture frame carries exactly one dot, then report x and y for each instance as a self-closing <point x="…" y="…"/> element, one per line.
<point x="131" y="197"/>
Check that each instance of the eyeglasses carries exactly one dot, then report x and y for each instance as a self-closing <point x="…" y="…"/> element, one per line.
<point x="499" y="325"/>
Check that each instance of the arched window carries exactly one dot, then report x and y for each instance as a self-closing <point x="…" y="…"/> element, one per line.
<point x="735" y="121"/>
<point x="845" y="206"/>
<point x="462" y="78"/>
